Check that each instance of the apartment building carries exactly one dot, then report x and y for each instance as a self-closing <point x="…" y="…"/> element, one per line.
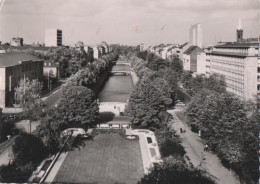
<point x="18" y="42"/>
<point x="53" y="37"/>
<point x="96" y="52"/>
<point x="14" y="67"/>
<point x="194" y="60"/>
<point x="240" y="65"/>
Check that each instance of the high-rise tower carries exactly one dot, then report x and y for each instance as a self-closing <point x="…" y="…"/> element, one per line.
<point x="196" y="35"/>
<point x="239" y="31"/>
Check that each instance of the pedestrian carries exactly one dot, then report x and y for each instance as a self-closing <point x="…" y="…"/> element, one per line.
<point x="181" y="130"/>
<point x="206" y="148"/>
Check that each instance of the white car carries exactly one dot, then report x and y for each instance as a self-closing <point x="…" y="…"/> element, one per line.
<point x="75" y="132"/>
<point x="180" y="104"/>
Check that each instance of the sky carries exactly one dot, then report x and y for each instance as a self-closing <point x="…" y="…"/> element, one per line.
<point x="128" y="22"/>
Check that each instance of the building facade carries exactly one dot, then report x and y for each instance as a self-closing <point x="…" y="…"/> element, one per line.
<point x="51" y="69"/>
<point x="14" y="67"/>
<point x="96" y="52"/>
<point x="196" y="35"/>
<point x="17" y="42"/>
<point x="240" y="65"/>
<point x="53" y="37"/>
<point x="194" y="60"/>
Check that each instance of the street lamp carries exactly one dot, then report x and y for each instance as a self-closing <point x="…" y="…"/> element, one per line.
<point x="9" y="151"/>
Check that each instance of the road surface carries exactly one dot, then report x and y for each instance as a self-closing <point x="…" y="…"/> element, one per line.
<point x="53" y="99"/>
<point x="194" y="147"/>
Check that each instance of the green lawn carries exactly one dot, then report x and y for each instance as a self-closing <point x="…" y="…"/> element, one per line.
<point x="107" y="159"/>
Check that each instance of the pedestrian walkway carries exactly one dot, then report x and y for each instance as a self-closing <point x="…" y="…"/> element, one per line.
<point x="6" y="150"/>
<point x="194" y="147"/>
<point x="146" y="150"/>
<point x="56" y="168"/>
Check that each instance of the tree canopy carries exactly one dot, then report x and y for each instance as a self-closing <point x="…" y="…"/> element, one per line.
<point x="78" y="105"/>
<point x="173" y="170"/>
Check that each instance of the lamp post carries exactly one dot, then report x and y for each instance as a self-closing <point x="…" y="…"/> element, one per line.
<point x="9" y="152"/>
<point x="48" y="79"/>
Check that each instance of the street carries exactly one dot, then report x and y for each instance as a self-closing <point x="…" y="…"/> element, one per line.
<point x="194" y="147"/>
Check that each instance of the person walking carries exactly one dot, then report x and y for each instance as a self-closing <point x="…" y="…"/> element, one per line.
<point x="206" y="148"/>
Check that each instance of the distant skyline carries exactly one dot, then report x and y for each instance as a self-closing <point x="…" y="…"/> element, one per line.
<point x="127" y="21"/>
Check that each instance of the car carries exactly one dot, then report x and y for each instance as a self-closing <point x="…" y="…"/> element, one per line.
<point x="181" y="104"/>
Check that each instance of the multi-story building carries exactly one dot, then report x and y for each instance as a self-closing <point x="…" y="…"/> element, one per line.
<point x="18" y="42"/>
<point x="207" y="51"/>
<point x="53" y="37"/>
<point x="14" y="67"/>
<point x="194" y="60"/>
<point x="182" y="49"/>
<point x="105" y="45"/>
<point x="196" y="35"/>
<point x="240" y="65"/>
<point x="96" y="52"/>
<point x="51" y="69"/>
<point x="90" y="52"/>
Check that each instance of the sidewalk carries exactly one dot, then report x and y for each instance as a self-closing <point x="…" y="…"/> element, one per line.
<point x="55" y="168"/>
<point x="194" y="147"/>
<point x="6" y="150"/>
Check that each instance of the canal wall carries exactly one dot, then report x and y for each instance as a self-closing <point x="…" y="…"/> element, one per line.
<point x="134" y="77"/>
<point x="96" y="87"/>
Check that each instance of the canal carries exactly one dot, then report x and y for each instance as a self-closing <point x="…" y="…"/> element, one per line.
<point x="117" y="87"/>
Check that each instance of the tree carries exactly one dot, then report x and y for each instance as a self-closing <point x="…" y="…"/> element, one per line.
<point x="50" y="130"/>
<point x="28" y="92"/>
<point x="78" y="106"/>
<point x="28" y="148"/>
<point x="229" y="127"/>
<point x="28" y="95"/>
<point x="173" y="170"/>
<point x="146" y="104"/>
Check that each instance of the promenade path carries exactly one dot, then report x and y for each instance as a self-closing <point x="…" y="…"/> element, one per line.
<point x="6" y="150"/>
<point x="194" y="147"/>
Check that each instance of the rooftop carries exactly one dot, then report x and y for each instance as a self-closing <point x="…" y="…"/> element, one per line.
<point x="12" y="59"/>
<point x="183" y="45"/>
<point x="193" y="48"/>
<point x="25" y="47"/>
<point x="232" y="54"/>
<point x="238" y="45"/>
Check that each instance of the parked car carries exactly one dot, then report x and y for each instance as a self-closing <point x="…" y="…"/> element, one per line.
<point x="181" y="104"/>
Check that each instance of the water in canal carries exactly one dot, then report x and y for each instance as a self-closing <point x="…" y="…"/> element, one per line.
<point x="117" y="88"/>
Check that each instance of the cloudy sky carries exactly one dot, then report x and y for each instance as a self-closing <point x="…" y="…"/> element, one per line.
<point x="128" y="21"/>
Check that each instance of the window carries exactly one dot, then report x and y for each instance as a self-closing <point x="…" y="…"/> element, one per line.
<point x="258" y="69"/>
<point x="10" y="83"/>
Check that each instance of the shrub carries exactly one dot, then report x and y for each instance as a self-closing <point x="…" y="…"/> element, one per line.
<point x="10" y="173"/>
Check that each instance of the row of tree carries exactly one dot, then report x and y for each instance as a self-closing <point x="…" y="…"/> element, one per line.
<point x="229" y="125"/>
<point x="89" y="75"/>
<point x="77" y="107"/>
<point x="154" y="93"/>
<point x="70" y="60"/>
